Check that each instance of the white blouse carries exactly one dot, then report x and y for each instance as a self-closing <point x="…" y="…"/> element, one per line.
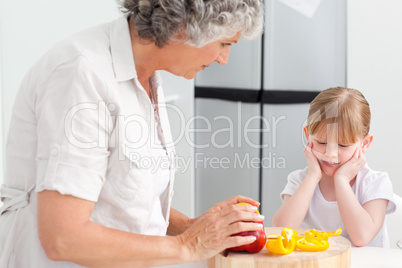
<point x="83" y="125"/>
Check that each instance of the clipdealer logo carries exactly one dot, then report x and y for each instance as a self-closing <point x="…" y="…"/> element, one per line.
<point x="97" y="125"/>
<point x="242" y="161"/>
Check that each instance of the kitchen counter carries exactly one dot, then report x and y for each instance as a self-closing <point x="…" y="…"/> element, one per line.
<point x="371" y="257"/>
<point x="363" y="257"/>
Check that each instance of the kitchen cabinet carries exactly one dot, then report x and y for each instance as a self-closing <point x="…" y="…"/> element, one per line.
<point x="283" y="152"/>
<point x="302" y="56"/>
<point x="303" y="53"/>
<point x="227" y="127"/>
<point x="226" y="151"/>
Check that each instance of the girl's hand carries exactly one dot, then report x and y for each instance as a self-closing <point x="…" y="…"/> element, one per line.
<point x="350" y="168"/>
<point x="212" y="232"/>
<point x="313" y="166"/>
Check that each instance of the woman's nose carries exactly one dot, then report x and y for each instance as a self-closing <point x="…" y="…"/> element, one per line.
<point x="223" y="56"/>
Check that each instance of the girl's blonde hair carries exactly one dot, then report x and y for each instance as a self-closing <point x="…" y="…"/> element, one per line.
<point x="345" y="107"/>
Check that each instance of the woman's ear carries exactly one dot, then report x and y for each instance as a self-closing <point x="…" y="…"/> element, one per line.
<point x="366" y="142"/>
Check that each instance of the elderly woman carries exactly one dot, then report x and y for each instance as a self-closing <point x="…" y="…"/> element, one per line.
<point x="76" y="193"/>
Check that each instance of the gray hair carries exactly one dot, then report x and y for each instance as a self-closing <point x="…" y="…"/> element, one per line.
<point x="194" y="22"/>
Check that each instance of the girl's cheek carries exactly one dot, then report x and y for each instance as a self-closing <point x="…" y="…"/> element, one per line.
<point x="345" y="155"/>
<point x="319" y="148"/>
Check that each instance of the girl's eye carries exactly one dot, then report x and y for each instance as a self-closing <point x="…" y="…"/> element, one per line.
<point x="321" y="143"/>
<point x="343" y="145"/>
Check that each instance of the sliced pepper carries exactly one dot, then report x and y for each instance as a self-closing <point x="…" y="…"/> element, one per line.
<point x="325" y="235"/>
<point x="283" y="244"/>
<point x="311" y="243"/>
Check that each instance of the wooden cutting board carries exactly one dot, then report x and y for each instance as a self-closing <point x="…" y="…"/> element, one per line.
<point x="336" y="256"/>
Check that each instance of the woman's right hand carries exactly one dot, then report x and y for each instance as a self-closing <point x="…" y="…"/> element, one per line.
<point x="212" y="232"/>
<point x="313" y="166"/>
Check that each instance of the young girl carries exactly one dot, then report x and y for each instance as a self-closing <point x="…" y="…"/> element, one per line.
<point x="337" y="188"/>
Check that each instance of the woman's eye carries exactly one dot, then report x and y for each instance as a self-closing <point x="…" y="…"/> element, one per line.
<point x="321" y="143"/>
<point x="225" y="44"/>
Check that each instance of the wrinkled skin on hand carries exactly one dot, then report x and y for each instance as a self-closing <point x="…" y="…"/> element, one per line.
<point x="258" y="244"/>
<point x="254" y="247"/>
<point x="215" y="230"/>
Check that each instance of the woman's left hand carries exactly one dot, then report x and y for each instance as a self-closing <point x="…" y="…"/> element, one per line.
<point x="350" y="168"/>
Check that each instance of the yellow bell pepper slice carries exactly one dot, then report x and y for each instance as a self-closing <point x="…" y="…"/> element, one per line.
<point x="324" y="235"/>
<point x="289" y="240"/>
<point x="283" y="244"/>
<point x="337" y="232"/>
<point x="311" y="243"/>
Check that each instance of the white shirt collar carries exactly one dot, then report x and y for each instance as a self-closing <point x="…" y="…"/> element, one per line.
<point x="121" y="50"/>
<point x="122" y="53"/>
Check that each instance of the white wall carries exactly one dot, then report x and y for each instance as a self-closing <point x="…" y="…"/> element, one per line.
<point x="1" y="99"/>
<point x="29" y="28"/>
<point x="374" y="66"/>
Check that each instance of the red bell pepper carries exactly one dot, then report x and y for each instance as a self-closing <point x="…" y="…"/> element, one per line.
<point x="258" y="244"/>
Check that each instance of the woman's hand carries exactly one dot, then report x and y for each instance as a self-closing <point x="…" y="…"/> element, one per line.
<point x="212" y="232"/>
<point x="313" y="167"/>
<point x="349" y="169"/>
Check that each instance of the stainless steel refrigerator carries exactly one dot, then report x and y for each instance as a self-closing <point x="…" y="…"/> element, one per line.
<point x="250" y="113"/>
